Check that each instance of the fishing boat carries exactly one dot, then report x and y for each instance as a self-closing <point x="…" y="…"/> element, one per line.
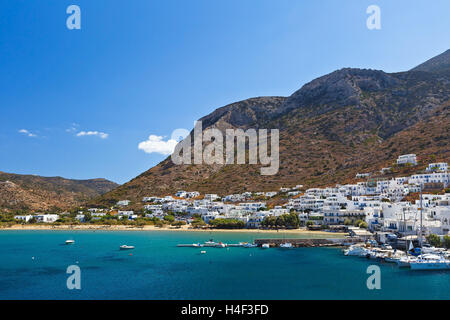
<point x="126" y="247"/>
<point x="286" y="245"/>
<point x="265" y="246"/>
<point x="70" y="241"/>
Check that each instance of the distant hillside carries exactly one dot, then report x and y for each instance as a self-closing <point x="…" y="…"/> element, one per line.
<point x="439" y="63"/>
<point x="349" y="121"/>
<point x="30" y="193"/>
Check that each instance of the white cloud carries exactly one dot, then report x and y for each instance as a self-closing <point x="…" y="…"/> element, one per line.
<point x="73" y="128"/>
<point x="28" y="133"/>
<point x="156" y="144"/>
<point x="102" y="135"/>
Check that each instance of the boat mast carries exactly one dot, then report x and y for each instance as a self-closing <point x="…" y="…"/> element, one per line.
<point x="421" y="218"/>
<point x="406" y="236"/>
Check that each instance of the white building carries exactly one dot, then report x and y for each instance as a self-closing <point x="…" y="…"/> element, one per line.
<point x="407" y="158"/>
<point x="439" y="166"/>
<point x="211" y="196"/>
<point x="24" y="218"/>
<point x="47" y="218"/>
<point x="123" y="203"/>
<point x="437" y="177"/>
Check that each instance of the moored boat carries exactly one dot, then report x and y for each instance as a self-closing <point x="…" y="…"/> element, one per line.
<point x="220" y="245"/>
<point x="70" y="241"/>
<point x="405" y="262"/>
<point x="430" y="262"/>
<point x="356" y="250"/>
<point x="126" y="247"/>
<point x="210" y="243"/>
<point x="286" y="245"/>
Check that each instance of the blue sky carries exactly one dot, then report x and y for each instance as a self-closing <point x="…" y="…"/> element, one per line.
<point x="88" y="97"/>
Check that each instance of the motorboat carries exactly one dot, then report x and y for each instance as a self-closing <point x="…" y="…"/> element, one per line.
<point x="249" y="245"/>
<point x="394" y="257"/>
<point x="265" y="246"/>
<point x="286" y="245"/>
<point x="377" y="253"/>
<point x="126" y="247"/>
<point x="70" y="241"/>
<point x="355" y="250"/>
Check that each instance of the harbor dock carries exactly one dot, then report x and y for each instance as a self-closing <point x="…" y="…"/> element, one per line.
<point x="308" y="242"/>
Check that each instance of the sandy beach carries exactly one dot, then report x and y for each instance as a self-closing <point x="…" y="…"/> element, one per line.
<point x="166" y="228"/>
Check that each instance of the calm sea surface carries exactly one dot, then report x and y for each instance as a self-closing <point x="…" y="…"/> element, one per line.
<point x="33" y="266"/>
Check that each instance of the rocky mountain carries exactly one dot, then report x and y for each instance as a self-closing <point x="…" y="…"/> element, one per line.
<point x="35" y="193"/>
<point x="349" y="121"/>
<point x="440" y="63"/>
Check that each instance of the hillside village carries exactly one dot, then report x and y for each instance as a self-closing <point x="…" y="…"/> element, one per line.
<point x="389" y="205"/>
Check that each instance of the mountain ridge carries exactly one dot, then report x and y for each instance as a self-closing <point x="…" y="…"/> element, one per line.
<point x="26" y="192"/>
<point x="347" y="121"/>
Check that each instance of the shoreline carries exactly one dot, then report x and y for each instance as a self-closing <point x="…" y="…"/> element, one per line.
<point x="153" y="228"/>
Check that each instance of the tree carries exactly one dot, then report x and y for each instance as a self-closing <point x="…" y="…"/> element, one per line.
<point x="87" y="217"/>
<point x="178" y="224"/>
<point x="197" y="223"/>
<point x="363" y="225"/>
<point x="434" y="240"/>
<point x="170" y="218"/>
<point x="227" y="223"/>
<point x="347" y="222"/>
<point x="447" y="242"/>
<point x="358" y="222"/>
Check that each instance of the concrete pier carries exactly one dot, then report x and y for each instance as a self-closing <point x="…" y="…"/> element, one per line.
<point x="308" y="242"/>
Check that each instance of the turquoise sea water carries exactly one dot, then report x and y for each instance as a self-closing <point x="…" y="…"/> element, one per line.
<point x="157" y="269"/>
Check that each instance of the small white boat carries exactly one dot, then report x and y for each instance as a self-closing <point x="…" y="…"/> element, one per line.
<point x="286" y="245"/>
<point x="70" y="241"/>
<point x="250" y="245"/>
<point x="220" y="245"/>
<point x="210" y="243"/>
<point x="265" y="246"/>
<point x="394" y="257"/>
<point x="125" y="247"/>
<point x="203" y="252"/>
<point x="355" y="250"/>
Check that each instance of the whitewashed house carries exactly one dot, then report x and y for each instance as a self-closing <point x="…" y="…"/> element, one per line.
<point x="47" y="218"/>
<point x="25" y="218"/>
<point x="123" y="203"/>
<point x="439" y="166"/>
<point x="407" y="158"/>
